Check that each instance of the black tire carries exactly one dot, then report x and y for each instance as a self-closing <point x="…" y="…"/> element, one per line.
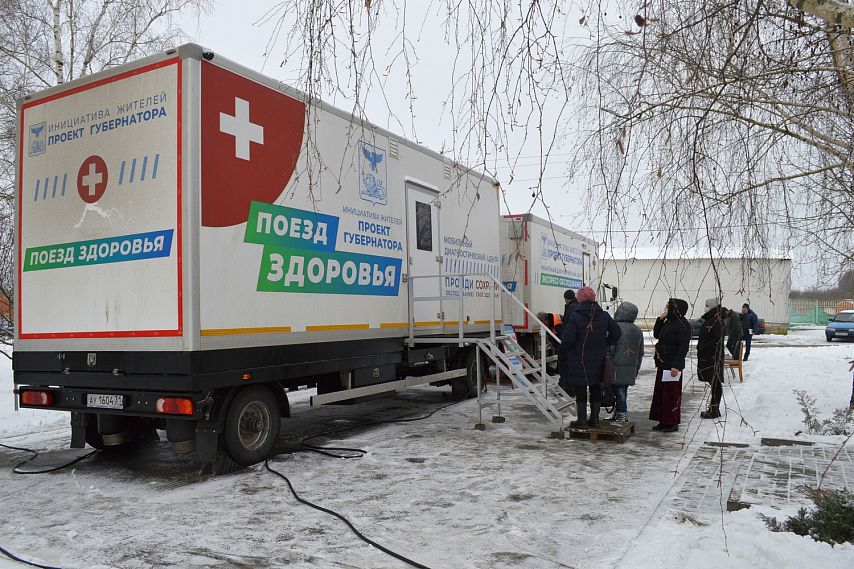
<point x="466" y="387"/>
<point x="93" y="437"/>
<point x="829" y="338"/>
<point x="141" y="432"/>
<point x="252" y="425"/>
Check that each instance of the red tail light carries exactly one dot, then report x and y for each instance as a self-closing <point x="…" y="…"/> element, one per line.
<point x="175" y="406"/>
<point x="41" y="398"/>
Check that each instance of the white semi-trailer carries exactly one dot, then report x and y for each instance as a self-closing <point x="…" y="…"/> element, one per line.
<point x="539" y="262"/>
<point x="195" y="239"/>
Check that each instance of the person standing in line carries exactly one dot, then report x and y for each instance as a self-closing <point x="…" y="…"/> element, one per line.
<point x="710" y="355"/>
<point x="569" y="303"/>
<point x="733" y="332"/>
<point x="851" y="403"/>
<point x="749" y="325"/>
<point x="586" y="336"/>
<point x="628" y="354"/>
<point x="673" y="333"/>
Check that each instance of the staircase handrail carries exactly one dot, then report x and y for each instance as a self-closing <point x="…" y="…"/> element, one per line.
<point x="523" y="307"/>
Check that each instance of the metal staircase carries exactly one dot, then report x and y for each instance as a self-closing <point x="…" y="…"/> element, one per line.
<point x="527" y="383"/>
<point x="520" y="379"/>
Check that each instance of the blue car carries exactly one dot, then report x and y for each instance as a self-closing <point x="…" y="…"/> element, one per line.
<point x="841" y="326"/>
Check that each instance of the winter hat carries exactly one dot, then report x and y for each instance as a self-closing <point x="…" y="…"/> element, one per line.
<point x="585" y="294"/>
<point x="677" y="308"/>
<point x="712" y="302"/>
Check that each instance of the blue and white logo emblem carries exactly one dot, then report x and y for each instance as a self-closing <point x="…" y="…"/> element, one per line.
<point x="38" y="141"/>
<point x="372" y="172"/>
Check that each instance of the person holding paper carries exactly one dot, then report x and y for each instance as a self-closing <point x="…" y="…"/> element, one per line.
<point x="673" y="333"/>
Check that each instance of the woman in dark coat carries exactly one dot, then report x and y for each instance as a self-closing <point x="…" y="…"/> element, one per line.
<point x="733" y="332"/>
<point x="673" y="332"/>
<point x="584" y="341"/>
<point x="710" y="355"/>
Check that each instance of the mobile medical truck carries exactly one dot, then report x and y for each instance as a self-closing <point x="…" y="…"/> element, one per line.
<point x="194" y="240"/>
<point x="539" y="262"/>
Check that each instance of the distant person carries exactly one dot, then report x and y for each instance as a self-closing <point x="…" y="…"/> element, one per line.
<point x="749" y="325"/>
<point x="628" y="354"/>
<point x="553" y="323"/>
<point x="673" y="332"/>
<point x="851" y="403"/>
<point x="710" y="355"/>
<point x="733" y="332"/>
<point x="586" y="336"/>
<point x="569" y="303"/>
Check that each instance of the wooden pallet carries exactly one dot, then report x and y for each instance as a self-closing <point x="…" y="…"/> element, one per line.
<point x="606" y="430"/>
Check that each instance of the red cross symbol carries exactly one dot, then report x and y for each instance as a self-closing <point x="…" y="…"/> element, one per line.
<point x="92" y="179"/>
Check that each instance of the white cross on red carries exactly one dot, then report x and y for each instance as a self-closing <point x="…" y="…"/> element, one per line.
<point x="241" y="128"/>
<point x="92" y="179"/>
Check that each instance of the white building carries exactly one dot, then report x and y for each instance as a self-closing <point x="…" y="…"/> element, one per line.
<point x="649" y="280"/>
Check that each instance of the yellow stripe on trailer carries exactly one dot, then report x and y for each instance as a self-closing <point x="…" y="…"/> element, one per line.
<point x="237" y="331"/>
<point x="332" y="327"/>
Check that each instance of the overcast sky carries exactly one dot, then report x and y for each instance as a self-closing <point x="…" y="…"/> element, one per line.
<point x="237" y="31"/>
<point x="233" y="30"/>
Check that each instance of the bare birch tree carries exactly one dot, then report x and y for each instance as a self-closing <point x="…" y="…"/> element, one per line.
<point x="501" y="63"/>
<point x="724" y="122"/>
<point x="47" y="42"/>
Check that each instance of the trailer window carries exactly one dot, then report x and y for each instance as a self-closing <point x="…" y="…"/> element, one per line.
<point x="423" y="226"/>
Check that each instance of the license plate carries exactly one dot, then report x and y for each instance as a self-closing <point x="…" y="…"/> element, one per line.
<point x="104" y="401"/>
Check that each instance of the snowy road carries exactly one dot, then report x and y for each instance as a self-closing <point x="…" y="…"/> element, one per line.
<point x="435" y="490"/>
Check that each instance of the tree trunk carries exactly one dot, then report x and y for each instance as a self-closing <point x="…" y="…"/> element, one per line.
<point x="833" y="11"/>
<point x="59" y="62"/>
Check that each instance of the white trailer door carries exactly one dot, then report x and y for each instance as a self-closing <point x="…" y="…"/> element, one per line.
<point x="423" y="246"/>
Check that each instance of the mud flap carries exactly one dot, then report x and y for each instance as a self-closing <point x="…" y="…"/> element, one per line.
<point x="78" y="429"/>
<point x="207" y="443"/>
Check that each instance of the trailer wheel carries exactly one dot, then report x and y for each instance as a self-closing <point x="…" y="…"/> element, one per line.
<point x="139" y="432"/>
<point x="466" y="387"/>
<point x="252" y="425"/>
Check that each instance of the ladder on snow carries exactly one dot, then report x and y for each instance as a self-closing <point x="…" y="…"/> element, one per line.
<point x="528" y="381"/>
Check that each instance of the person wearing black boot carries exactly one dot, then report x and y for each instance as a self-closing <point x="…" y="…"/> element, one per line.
<point x="710" y="355"/>
<point x="586" y="335"/>
<point x="733" y="331"/>
<point x="673" y="332"/>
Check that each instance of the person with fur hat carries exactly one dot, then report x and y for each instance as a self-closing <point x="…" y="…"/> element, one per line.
<point x="710" y="355"/>
<point x="673" y="333"/>
<point x="585" y="339"/>
<point x="628" y="355"/>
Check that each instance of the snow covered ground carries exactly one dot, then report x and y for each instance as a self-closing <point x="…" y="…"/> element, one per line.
<point x="435" y="490"/>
